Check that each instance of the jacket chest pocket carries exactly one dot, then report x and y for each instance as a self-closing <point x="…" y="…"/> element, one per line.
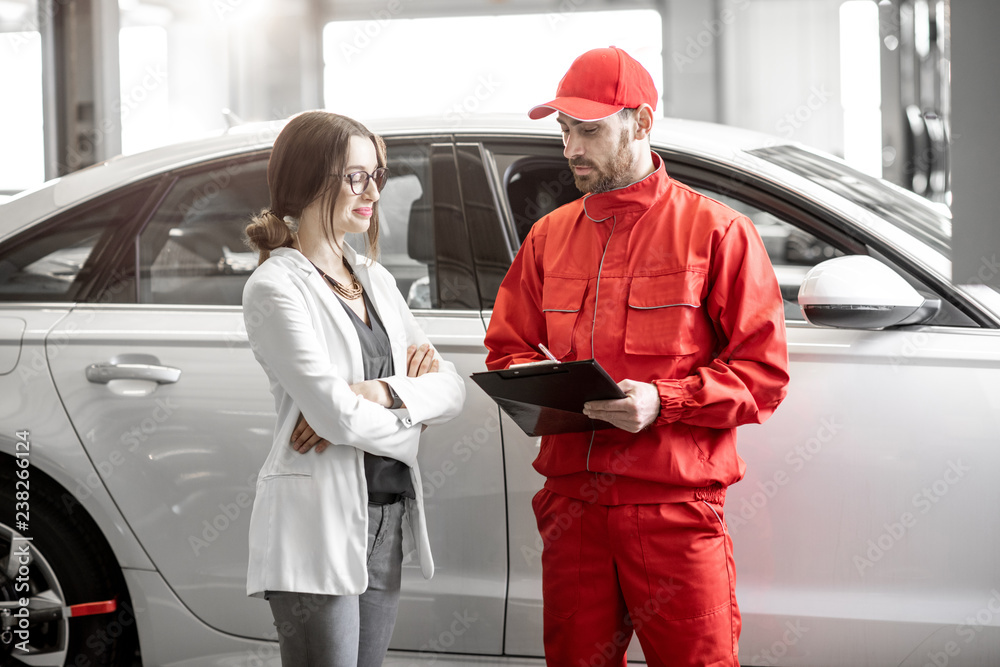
<point x="562" y="303"/>
<point x="665" y="316"/>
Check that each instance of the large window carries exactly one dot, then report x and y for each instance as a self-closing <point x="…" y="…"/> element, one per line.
<point x="452" y="68"/>
<point x="21" y="115"/>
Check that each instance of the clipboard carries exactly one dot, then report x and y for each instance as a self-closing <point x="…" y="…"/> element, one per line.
<point x="548" y="398"/>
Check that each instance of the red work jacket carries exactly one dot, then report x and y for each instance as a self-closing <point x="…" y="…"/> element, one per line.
<point x="659" y="284"/>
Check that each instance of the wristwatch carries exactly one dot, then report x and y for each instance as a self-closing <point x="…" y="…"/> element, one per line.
<point x="397" y="402"/>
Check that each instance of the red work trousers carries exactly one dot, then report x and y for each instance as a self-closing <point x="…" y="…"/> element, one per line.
<point x="664" y="571"/>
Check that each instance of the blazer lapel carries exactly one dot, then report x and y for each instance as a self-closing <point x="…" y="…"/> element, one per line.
<point x="321" y="289"/>
<point x="386" y="306"/>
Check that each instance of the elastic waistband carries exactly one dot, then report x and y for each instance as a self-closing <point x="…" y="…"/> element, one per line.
<point x="378" y="498"/>
<point x="609" y="489"/>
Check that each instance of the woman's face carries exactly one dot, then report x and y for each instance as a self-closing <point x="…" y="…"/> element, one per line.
<point x="353" y="213"/>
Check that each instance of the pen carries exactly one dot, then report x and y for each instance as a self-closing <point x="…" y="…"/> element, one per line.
<point x="548" y="354"/>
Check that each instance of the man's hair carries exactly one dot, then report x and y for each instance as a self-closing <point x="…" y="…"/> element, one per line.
<point x="626" y="114"/>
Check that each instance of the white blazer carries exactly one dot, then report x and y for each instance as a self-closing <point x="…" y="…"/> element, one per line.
<point x="309" y="524"/>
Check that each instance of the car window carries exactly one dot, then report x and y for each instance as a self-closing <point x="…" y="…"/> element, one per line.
<point x="534" y="185"/>
<point x="406" y="224"/>
<point x="192" y="249"/>
<point x="914" y="215"/>
<point x="58" y="259"/>
<point x="792" y="251"/>
<point x="491" y="243"/>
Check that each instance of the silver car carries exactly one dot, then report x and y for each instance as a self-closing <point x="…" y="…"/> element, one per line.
<point x="134" y="417"/>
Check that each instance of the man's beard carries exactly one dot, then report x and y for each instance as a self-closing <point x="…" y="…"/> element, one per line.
<point x="617" y="175"/>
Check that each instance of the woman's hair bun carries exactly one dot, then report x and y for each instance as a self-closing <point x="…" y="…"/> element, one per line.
<point x="266" y="232"/>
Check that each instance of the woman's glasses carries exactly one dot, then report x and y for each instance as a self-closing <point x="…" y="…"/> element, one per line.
<point x="359" y="179"/>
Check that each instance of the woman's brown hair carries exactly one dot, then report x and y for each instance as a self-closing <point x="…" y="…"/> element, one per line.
<point x="306" y="162"/>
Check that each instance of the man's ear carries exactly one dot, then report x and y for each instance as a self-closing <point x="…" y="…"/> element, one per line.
<point x="644" y="121"/>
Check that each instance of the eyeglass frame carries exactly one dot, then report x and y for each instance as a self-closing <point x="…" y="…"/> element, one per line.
<point x="368" y="179"/>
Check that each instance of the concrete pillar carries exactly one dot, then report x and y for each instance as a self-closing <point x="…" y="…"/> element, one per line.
<point x="277" y="62"/>
<point x="81" y="89"/>
<point x="693" y="34"/>
<point x="976" y="141"/>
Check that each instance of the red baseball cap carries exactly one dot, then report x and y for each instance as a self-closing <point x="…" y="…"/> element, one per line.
<point x="600" y="83"/>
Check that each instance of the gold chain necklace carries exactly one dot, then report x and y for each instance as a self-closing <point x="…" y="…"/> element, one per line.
<point x="352" y="291"/>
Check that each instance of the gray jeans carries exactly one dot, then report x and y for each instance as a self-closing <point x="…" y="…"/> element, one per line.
<point x="347" y="630"/>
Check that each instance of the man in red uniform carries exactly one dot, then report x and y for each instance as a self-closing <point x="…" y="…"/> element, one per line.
<point x="673" y="294"/>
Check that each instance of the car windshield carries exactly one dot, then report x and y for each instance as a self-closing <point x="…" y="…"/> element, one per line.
<point x="890" y="203"/>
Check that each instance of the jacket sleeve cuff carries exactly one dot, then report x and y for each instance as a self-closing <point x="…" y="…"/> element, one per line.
<point x="403" y="415"/>
<point x="409" y="395"/>
<point x="676" y="399"/>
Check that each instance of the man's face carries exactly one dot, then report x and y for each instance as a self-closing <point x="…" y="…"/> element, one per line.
<point x="600" y="153"/>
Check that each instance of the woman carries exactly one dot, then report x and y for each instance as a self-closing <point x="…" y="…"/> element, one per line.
<point x="352" y="373"/>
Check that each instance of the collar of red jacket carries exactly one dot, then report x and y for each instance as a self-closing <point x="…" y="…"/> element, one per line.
<point x="635" y="197"/>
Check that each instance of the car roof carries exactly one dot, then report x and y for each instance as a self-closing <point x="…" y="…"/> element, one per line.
<point x="702" y="138"/>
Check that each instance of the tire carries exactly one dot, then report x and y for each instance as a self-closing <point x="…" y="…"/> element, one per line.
<point x="71" y="564"/>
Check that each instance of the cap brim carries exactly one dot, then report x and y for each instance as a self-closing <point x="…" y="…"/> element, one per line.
<point x="576" y="108"/>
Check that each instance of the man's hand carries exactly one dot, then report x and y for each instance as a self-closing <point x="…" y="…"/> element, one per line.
<point x="639" y="408"/>
<point x="304" y="438"/>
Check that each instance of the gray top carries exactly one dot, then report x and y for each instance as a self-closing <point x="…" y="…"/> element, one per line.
<point x="384" y="474"/>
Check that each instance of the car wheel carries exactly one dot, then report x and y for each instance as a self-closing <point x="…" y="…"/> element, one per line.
<point x="62" y="567"/>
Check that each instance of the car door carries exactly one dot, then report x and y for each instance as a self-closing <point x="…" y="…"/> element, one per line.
<point x="853" y="487"/>
<point x="854" y="510"/>
<point x="175" y="412"/>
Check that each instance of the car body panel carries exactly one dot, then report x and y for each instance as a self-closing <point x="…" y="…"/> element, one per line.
<point x="873" y="419"/>
<point x="32" y="404"/>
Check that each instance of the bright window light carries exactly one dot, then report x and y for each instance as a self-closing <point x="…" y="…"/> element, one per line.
<point x="454" y="68"/>
<point x="145" y="103"/>
<point x="21" y="124"/>
<point x="861" y="85"/>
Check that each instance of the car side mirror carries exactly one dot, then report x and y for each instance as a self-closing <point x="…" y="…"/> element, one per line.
<point x="860" y="292"/>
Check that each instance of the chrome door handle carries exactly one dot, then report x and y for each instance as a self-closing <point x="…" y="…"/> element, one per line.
<point x="133" y="367"/>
